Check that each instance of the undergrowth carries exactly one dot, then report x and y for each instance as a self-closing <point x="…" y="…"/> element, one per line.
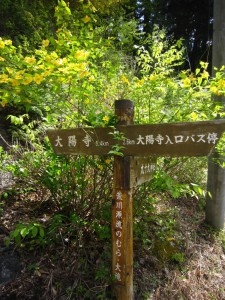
<point x="71" y="227"/>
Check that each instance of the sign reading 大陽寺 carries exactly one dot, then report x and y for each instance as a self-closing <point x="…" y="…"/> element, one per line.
<point x="172" y="139"/>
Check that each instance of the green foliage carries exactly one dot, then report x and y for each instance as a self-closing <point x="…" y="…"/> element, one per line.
<point x="162" y="182"/>
<point x="59" y="69"/>
<point x="157" y="55"/>
<point x="117" y="149"/>
<point x="27" y="23"/>
<point x="155" y="226"/>
<point x="178" y="257"/>
<point x="79" y="74"/>
<point x="75" y="183"/>
<point x="30" y="235"/>
<point x="181" y="20"/>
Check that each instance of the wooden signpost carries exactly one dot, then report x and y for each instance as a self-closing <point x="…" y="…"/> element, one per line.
<point x="140" y="145"/>
<point x="173" y="139"/>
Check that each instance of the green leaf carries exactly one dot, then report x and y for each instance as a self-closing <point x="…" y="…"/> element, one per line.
<point x="15" y="233"/>
<point x="24" y="232"/>
<point x="34" y="231"/>
<point x="116" y="153"/>
<point x="199" y="80"/>
<point x="68" y="11"/>
<point x="41" y="232"/>
<point x="63" y="3"/>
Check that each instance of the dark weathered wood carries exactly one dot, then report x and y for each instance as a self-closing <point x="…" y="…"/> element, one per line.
<point x="124" y="112"/>
<point x="122" y="215"/>
<point x="141" y="170"/>
<point x="122" y="241"/>
<point x="215" y="200"/>
<point x="175" y="139"/>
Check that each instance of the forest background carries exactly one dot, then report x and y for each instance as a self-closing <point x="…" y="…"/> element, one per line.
<point x="63" y="64"/>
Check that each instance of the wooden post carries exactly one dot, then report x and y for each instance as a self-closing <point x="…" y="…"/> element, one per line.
<point x="122" y="214"/>
<point x="215" y="202"/>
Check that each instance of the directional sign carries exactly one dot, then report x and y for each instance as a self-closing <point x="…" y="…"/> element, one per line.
<point x="171" y="139"/>
<point x="175" y="139"/>
<point x="87" y="141"/>
<point x="141" y="170"/>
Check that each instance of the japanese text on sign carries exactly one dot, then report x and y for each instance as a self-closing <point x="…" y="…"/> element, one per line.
<point x="119" y="230"/>
<point x="173" y="139"/>
<point x="160" y="139"/>
<point x="209" y="138"/>
<point x="147" y="168"/>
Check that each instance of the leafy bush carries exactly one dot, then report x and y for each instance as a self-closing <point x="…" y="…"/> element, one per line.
<point x="30" y="235"/>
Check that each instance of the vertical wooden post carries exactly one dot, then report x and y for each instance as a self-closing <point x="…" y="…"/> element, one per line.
<point x="122" y="214"/>
<point x="215" y="202"/>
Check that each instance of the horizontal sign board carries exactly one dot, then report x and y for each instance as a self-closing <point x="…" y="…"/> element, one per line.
<point x="88" y="141"/>
<point x="142" y="170"/>
<point x="171" y="139"/>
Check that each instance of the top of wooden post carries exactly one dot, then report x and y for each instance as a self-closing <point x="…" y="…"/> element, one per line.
<point x="124" y="112"/>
